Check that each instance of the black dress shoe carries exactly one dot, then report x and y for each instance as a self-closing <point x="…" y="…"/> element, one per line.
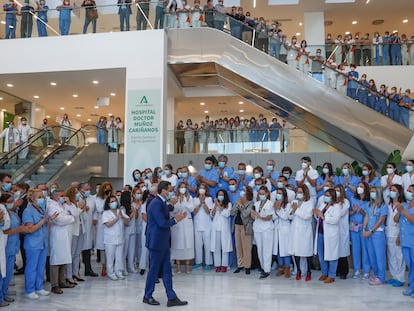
<point x="142" y="271"/>
<point x="264" y="275"/>
<point x="150" y="301"/>
<point x="247" y="271"/>
<point x="19" y="271"/>
<point x="342" y="277"/>
<point x="176" y="302"/>
<point x="76" y="278"/>
<point x="92" y="274"/>
<point x="238" y="270"/>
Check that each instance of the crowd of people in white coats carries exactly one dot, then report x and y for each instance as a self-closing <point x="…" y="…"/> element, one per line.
<point x="276" y="217"/>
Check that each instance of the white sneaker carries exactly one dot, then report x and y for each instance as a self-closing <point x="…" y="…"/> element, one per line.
<point x="365" y="277"/>
<point x="43" y="292"/>
<point x="125" y="273"/>
<point x="32" y="296"/>
<point x="133" y="270"/>
<point x="113" y="277"/>
<point x="121" y="277"/>
<point x="356" y="275"/>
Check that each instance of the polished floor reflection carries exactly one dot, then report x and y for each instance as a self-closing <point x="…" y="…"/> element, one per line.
<point x="208" y="290"/>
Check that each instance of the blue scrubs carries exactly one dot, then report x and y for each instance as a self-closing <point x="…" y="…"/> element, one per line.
<point x="254" y="133"/>
<point x="375" y="182"/>
<point x="382" y="104"/>
<point x="407" y="245"/>
<point x="358" y="242"/>
<point x="351" y="89"/>
<point x="11" y="20"/>
<point x="213" y="176"/>
<point x="385" y="50"/>
<point x="394" y="108"/>
<point x="247" y="178"/>
<point x="274" y="131"/>
<point x="263" y="133"/>
<point x="362" y="93"/>
<point x="41" y="21"/>
<point x="376" y="243"/>
<point x="222" y="184"/>
<point x="64" y="20"/>
<point x="12" y="248"/>
<point x="352" y="180"/>
<point x="404" y="112"/>
<point x="372" y="100"/>
<point x="319" y="182"/>
<point x="191" y="181"/>
<point x="35" y="245"/>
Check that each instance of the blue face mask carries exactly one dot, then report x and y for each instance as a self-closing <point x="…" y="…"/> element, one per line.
<point x="41" y="203"/>
<point x="409" y="168"/>
<point x="138" y="196"/>
<point x="87" y="193"/>
<point x="279" y="197"/>
<point x="280" y="185"/>
<point x="113" y="205"/>
<point x="345" y="171"/>
<point x="393" y="194"/>
<point x="167" y="172"/>
<point x="299" y="196"/>
<point x="148" y="176"/>
<point x="7" y="187"/>
<point x="373" y="195"/>
<point x="170" y="195"/>
<point x="61" y="200"/>
<point x="242" y="172"/>
<point x="287" y="176"/>
<point x="220" y="198"/>
<point x="77" y="196"/>
<point x="232" y="188"/>
<point x="327" y="199"/>
<point x="365" y="172"/>
<point x="44" y="193"/>
<point x="222" y="164"/>
<point x="269" y="168"/>
<point x="137" y="176"/>
<point x="262" y="197"/>
<point x="242" y="193"/>
<point x="184" y="175"/>
<point x="257" y="187"/>
<point x="408" y="196"/>
<point x="207" y="167"/>
<point x="10" y="206"/>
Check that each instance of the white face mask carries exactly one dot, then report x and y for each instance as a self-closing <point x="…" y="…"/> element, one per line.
<point x="360" y="190"/>
<point x="304" y="165"/>
<point x="390" y="171"/>
<point x="183" y="190"/>
<point x="202" y="191"/>
<point x="257" y="175"/>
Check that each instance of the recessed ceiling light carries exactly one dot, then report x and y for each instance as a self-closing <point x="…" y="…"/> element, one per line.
<point x="394" y="31"/>
<point x="53" y="83"/>
<point x="96" y="107"/>
<point x="113" y="94"/>
<point x="368" y="1"/>
<point x="1" y="98"/>
<point x="75" y="95"/>
<point x="202" y="104"/>
<point x="3" y="22"/>
<point x="78" y="115"/>
<point x="36" y="96"/>
<point x="89" y="120"/>
<point x="241" y="110"/>
<point x="62" y="108"/>
<point x="9" y="85"/>
<point x="298" y="34"/>
<point x="347" y="32"/>
<point x="300" y="24"/>
<point x="405" y="21"/>
<point x="95" y="82"/>
<point x="205" y="111"/>
<point x="110" y="114"/>
<point x="48" y="117"/>
<point x="354" y="22"/>
<point x="241" y="103"/>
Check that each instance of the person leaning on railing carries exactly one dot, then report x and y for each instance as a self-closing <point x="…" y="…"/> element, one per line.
<point x="91" y="15"/>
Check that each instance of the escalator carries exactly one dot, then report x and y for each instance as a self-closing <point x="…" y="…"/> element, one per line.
<point x="208" y="57"/>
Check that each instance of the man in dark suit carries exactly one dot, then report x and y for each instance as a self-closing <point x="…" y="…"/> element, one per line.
<point x="158" y="244"/>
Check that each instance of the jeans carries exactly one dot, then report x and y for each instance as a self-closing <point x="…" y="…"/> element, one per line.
<point x="124" y="19"/>
<point x="328" y="267"/>
<point x="41" y="28"/>
<point x="10" y="28"/>
<point x="219" y="25"/>
<point x="64" y="25"/>
<point x="275" y="49"/>
<point x="159" y="17"/>
<point x="385" y="55"/>
<point x="87" y="22"/>
<point x="284" y="261"/>
<point x="35" y="268"/>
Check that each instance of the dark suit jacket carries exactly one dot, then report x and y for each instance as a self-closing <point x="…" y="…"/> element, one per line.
<point x="158" y="225"/>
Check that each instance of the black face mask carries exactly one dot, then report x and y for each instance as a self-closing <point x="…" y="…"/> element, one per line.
<point x="108" y="192"/>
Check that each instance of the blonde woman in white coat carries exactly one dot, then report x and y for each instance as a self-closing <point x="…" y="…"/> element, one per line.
<point x="129" y="232"/>
<point x="60" y="239"/>
<point x="344" y="249"/>
<point x="281" y="242"/>
<point x="221" y="244"/>
<point x="203" y="205"/>
<point x="182" y="234"/>
<point x="327" y="236"/>
<point x="263" y="214"/>
<point x="301" y="229"/>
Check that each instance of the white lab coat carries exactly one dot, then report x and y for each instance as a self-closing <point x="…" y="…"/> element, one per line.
<point x="114" y="235"/>
<point x="290" y="194"/>
<point x="344" y="250"/>
<point x="182" y="234"/>
<point x="202" y="220"/>
<point x="60" y="237"/>
<point x="283" y="231"/>
<point x="73" y="210"/>
<point x="330" y="233"/>
<point x="5" y="136"/>
<point x="24" y="132"/>
<point x="99" y="204"/>
<point x="221" y="223"/>
<point x="88" y="219"/>
<point x="386" y="191"/>
<point x="407" y="180"/>
<point x="3" y="240"/>
<point x="313" y="174"/>
<point x="301" y="230"/>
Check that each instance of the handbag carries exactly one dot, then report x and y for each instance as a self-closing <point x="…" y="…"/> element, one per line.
<point x="92" y="13"/>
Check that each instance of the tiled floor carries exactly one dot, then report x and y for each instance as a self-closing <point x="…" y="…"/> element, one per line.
<point x="208" y="290"/>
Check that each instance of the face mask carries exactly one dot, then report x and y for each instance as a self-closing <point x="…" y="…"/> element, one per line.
<point x="294" y="41"/>
<point x="325" y="171"/>
<point x="144" y="189"/>
<point x="318" y="54"/>
<point x="137" y="176"/>
<point x="269" y="168"/>
<point x="87" y="193"/>
<point x="61" y="200"/>
<point x="373" y="195"/>
<point x="407" y="94"/>
<point x="390" y="171"/>
<point x="77" y="196"/>
<point x="207" y="167"/>
<point x="287" y="176"/>
<point x="393" y="194"/>
<point x="408" y="196"/>
<point x="257" y="175"/>
<point x="118" y="197"/>
<point x="148" y="176"/>
<point x="179" y="174"/>
<point x="221" y="164"/>
<point x="326" y="188"/>
<point x="96" y="190"/>
<point x="242" y="193"/>
<point x="113" y="205"/>
<point x="167" y="172"/>
<point x="183" y="190"/>
<point x="170" y="195"/>
<point x="409" y="168"/>
<point x="220" y="198"/>
<point x="41" y="203"/>
<point x="360" y="190"/>
<point x="138" y="196"/>
<point x="232" y="188"/>
<point x="17" y="194"/>
<point x="6" y="187"/>
<point x="202" y="191"/>
<point x="44" y="193"/>
<point x="242" y="172"/>
<point x="54" y="189"/>
<point x="327" y="199"/>
<point x="257" y="187"/>
<point x="280" y="185"/>
<point x="262" y="197"/>
<point x="345" y="171"/>
<point x="299" y="196"/>
<point x="10" y="206"/>
<point x="184" y="175"/>
<point x="108" y="192"/>
<point x="304" y="165"/>
<point x="338" y="194"/>
<point x="11" y="126"/>
<point x="279" y="197"/>
<point x="365" y="172"/>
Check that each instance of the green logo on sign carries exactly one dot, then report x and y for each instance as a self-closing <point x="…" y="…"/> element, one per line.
<point x="144" y="100"/>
